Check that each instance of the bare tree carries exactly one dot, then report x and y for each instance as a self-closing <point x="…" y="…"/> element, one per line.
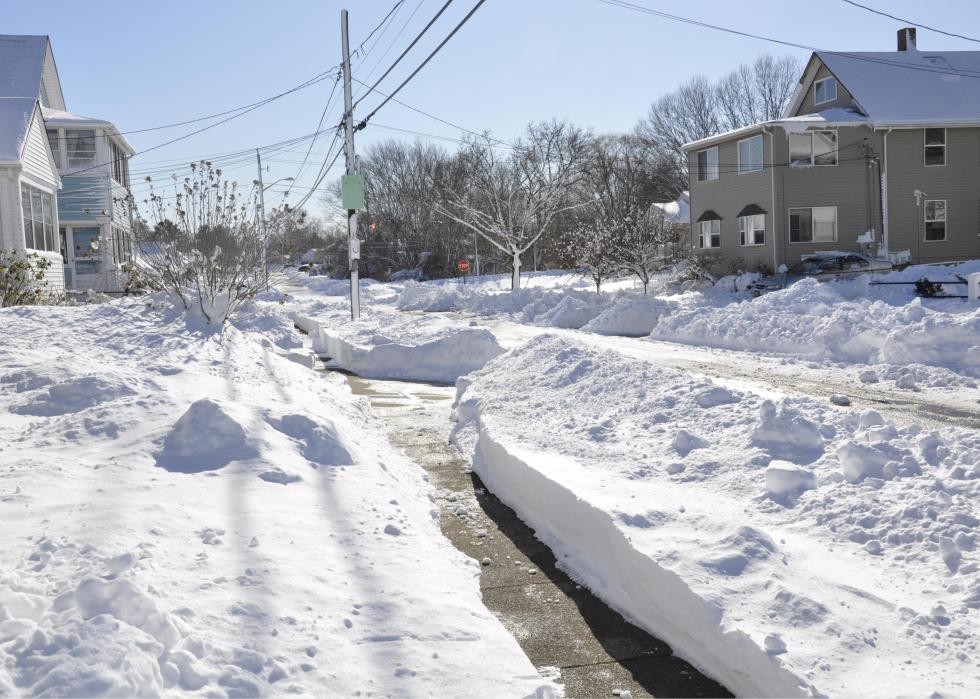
<point x="210" y="253"/>
<point x="510" y="200"/>
<point x="648" y="246"/>
<point x="775" y="81"/>
<point x="688" y="114"/>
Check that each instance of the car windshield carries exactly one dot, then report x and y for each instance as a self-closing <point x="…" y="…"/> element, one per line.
<point x="808" y="266"/>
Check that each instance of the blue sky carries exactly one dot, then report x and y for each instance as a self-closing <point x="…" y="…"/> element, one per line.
<point x="143" y="64"/>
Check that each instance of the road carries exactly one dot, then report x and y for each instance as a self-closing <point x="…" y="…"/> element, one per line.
<point x="772" y="377"/>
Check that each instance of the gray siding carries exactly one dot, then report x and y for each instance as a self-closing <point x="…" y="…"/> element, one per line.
<point x="727" y="196"/>
<point x="958" y="182"/>
<point x="850" y="185"/>
<point x="844" y="98"/>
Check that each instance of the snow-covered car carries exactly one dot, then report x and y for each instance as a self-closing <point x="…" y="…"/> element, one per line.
<point x="821" y="266"/>
<point x="305" y="267"/>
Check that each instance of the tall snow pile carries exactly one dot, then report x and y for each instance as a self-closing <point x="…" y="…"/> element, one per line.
<point x="786" y="548"/>
<point x="186" y="512"/>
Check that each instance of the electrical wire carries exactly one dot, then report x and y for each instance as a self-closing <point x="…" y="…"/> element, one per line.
<point x="623" y="4"/>
<point x="392" y="44"/>
<point x="422" y="65"/>
<point x="416" y="40"/>
<point x="908" y="21"/>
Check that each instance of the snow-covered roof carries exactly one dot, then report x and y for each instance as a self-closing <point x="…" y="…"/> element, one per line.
<point x="56" y="117"/>
<point x="836" y="116"/>
<point x="21" y="65"/>
<point x="911" y="87"/>
<point x="678" y="211"/>
<point x="15" y="121"/>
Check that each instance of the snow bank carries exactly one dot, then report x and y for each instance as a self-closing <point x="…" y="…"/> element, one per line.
<point x="833" y="321"/>
<point x="785" y="548"/>
<point x="194" y="513"/>
<point x="630" y="316"/>
<point x="387" y="345"/>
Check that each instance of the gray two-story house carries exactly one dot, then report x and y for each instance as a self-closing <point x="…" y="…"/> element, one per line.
<point x="877" y="153"/>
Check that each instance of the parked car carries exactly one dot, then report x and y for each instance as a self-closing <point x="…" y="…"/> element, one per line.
<point x="305" y="267"/>
<point x="821" y="266"/>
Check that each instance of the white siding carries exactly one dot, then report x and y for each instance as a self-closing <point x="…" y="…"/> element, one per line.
<point x="54" y="278"/>
<point x="49" y="78"/>
<point x="35" y="158"/>
<point x="11" y="226"/>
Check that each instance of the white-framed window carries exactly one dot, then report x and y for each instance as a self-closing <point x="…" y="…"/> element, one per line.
<point x="813" y="148"/>
<point x="38" y="209"/>
<point x="708" y="164"/>
<point x="120" y="164"/>
<point x="934" y="141"/>
<point x="814" y="224"/>
<point x="752" y="229"/>
<point x="750" y="154"/>
<point x="710" y="234"/>
<point x="81" y="147"/>
<point x="824" y="90"/>
<point x="935" y="215"/>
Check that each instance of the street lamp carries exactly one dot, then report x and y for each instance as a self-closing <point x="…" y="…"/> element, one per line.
<point x="281" y="179"/>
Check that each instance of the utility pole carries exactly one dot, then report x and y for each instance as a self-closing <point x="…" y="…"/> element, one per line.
<point x="476" y="256"/>
<point x="265" y="266"/>
<point x="353" y="244"/>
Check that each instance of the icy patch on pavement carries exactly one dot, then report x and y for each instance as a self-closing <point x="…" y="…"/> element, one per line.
<point x="784" y="547"/>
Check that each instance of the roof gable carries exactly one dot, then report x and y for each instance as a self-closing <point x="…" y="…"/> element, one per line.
<point x="911" y="87"/>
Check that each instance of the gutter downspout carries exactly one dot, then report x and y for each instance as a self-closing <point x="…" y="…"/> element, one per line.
<point x="772" y="184"/>
<point x="884" y="199"/>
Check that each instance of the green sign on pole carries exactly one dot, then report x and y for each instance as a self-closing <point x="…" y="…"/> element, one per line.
<point x="352" y="191"/>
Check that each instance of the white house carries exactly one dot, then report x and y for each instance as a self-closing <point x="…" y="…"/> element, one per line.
<point x="29" y="184"/>
<point x="46" y="151"/>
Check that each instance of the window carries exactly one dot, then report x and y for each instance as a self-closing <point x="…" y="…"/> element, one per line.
<point x="708" y="164"/>
<point x="55" y="143"/>
<point x="813" y="148"/>
<point x="935" y="220"/>
<point x="120" y="164"/>
<point x="824" y="90"/>
<point x="750" y="155"/>
<point x="935" y="145"/>
<point x="38" y="208"/>
<point x="81" y="147"/>
<point x="710" y="234"/>
<point x="817" y="224"/>
<point x="752" y="229"/>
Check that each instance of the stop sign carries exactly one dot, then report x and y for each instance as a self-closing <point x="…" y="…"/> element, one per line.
<point x="463" y="266"/>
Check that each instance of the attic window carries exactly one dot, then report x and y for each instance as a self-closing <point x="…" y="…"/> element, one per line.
<point x="825" y="90"/>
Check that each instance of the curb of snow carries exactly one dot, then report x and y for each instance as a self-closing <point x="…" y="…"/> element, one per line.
<point x="598" y="554"/>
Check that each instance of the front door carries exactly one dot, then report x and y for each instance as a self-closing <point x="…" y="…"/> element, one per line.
<point x="86" y="251"/>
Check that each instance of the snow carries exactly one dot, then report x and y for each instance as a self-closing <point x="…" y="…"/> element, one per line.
<point x="939" y="79"/>
<point x="786" y="547"/>
<point x="185" y="512"/>
<point x="677" y="211"/>
<point x="15" y="122"/>
<point x="22" y="58"/>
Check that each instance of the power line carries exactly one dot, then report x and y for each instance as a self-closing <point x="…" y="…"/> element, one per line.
<point x="393" y="41"/>
<point x="392" y="11"/>
<point x="409" y="48"/>
<point x="623" y="4"/>
<point x="908" y="21"/>
<point x="428" y="58"/>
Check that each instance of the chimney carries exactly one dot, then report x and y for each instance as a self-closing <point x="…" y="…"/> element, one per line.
<point x="906" y="39"/>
